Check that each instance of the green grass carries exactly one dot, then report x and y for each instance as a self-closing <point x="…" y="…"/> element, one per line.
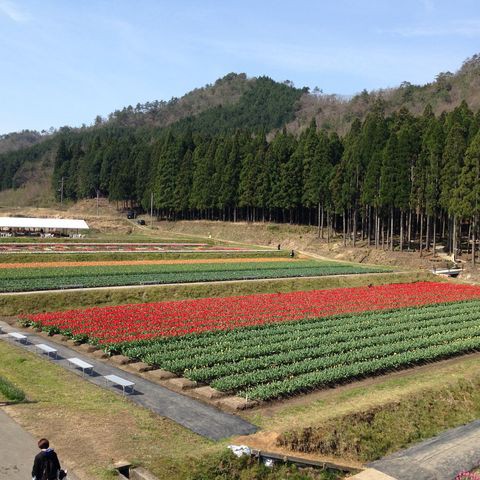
<point x="30" y="279"/>
<point x="372" y="433"/>
<point x="226" y="466"/>
<point x="42" y="302"/>
<point x="9" y="392"/>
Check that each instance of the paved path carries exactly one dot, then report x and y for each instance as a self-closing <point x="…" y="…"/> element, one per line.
<point x="18" y="448"/>
<point x="203" y="419"/>
<point x="439" y="458"/>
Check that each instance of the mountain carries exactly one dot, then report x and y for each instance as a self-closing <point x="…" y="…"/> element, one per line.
<point x="233" y="103"/>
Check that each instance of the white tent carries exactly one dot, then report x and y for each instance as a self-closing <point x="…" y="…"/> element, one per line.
<point x="42" y="223"/>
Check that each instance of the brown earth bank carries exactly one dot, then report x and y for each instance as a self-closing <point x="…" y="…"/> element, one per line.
<point x="302" y="238"/>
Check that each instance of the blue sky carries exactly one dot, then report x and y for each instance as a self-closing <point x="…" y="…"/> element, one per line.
<point x="65" y="61"/>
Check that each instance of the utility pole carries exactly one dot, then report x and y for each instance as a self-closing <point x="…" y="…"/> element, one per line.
<point x="61" y="193"/>
<point x="98" y="192"/>
<point x="151" y="210"/>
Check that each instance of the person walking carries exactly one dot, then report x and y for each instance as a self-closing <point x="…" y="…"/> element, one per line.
<point x="46" y="465"/>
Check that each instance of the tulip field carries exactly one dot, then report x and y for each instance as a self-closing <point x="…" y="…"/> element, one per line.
<point x="270" y="346"/>
<point x="49" y="278"/>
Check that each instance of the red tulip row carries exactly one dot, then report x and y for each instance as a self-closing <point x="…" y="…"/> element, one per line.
<point x="127" y="323"/>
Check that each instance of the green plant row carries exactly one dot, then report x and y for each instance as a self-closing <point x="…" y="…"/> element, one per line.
<point x="360" y="353"/>
<point x="225" y="340"/>
<point x="243" y="367"/>
<point x="111" y="270"/>
<point x="348" y="372"/>
<point x="97" y="279"/>
<point x="253" y="342"/>
<point x="286" y="358"/>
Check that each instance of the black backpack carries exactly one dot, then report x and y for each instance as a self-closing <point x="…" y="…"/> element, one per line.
<point x="49" y="471"/>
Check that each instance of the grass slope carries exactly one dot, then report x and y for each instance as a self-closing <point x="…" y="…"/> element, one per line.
<point x="107" y="428"/>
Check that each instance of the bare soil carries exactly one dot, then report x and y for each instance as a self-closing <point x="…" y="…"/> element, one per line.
<point x="302" y="238"/>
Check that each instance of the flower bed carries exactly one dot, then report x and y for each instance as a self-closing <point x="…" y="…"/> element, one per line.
<point x="275" y="345"/>
<point x="126" y="323"/>
<point x="75" y="247"/>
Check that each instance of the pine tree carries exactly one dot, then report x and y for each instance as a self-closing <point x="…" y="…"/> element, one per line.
<point x="468" y="191"/>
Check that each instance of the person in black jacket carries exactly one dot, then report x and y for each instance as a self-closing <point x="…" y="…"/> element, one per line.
<point x="46" y="465"/>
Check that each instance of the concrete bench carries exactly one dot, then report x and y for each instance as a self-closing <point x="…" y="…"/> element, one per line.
<point x="46" y="348"/>
<point x="80" y="363"/>
<point x="18" y="336"/>
<point x="119" y="381"/>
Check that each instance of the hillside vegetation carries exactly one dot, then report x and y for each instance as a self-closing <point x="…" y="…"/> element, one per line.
<point x="443" y="94"/>
<point x="403" y="175"/>
<point x="18" y="140"/>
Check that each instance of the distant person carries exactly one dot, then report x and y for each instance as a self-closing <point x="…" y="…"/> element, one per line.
<point x="46" y="465"/>
<point x="278" y="247"/>
<point x="292" y="254"/>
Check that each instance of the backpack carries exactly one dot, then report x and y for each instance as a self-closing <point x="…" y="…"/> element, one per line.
<point x="49" y="468"/>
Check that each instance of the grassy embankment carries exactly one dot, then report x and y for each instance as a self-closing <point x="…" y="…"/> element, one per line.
<point x="87" y="425"/>
<point x="9" y="392"/>
<point x="42" y="302"/>
<point x="451" y="398"/>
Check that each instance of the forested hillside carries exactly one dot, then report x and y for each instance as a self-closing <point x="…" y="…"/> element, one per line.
<point x="405" y="173"/>
<point x="233" y="102"/>
<point x="393" y="180"/>
<point x="18" y="140"/>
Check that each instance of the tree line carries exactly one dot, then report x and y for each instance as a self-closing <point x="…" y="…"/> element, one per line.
<point x="398" y="181"/>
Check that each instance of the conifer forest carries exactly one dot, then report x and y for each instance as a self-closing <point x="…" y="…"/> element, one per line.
<point x="398" y="181"/>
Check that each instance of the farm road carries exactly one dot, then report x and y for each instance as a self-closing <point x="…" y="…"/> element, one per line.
<point x="202" y="419"/>
<point x="18" y="450"/>
<point x="439" y="458"/>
